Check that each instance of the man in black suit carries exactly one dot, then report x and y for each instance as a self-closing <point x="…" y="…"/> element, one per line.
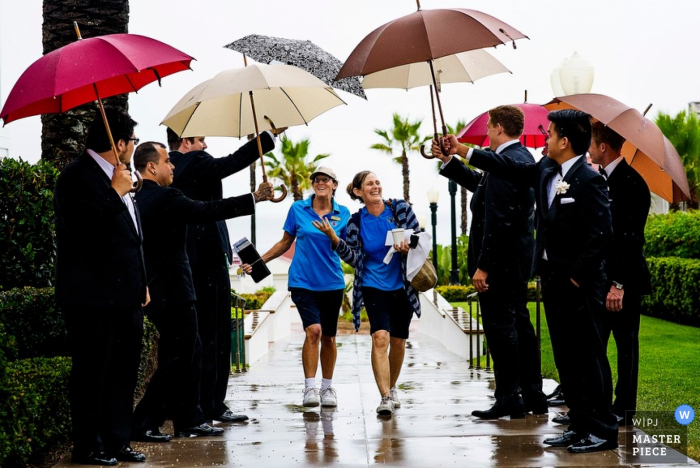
<point x="500" y="260"/>
<point x="165" y="212"/>
<point x="574" y="231"/>
<point x="628" y="277"/>
<point x="198" y="175"/>
<point x="101" y="288"/>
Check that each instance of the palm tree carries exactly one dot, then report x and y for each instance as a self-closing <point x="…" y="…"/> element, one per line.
<point x="63" y="135"/>
<point x="293" y="168"/>
<point x="683" y="131"/>
<point x="403" y="135"/>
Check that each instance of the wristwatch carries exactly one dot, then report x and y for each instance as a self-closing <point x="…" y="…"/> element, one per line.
<point x="617" y="285"/>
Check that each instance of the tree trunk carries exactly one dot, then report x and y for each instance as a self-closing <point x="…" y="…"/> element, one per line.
<point x="296" y="191"/>
<point x="464" y="211"/>
<point x="63" y="135"/>
<point x="406" y="181"/>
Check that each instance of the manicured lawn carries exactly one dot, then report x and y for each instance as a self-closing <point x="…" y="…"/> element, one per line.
<point x="669" y="368"/>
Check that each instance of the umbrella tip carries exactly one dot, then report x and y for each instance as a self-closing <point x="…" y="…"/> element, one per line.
<point x="418" y="3"/>
<point x="77" y="29"/>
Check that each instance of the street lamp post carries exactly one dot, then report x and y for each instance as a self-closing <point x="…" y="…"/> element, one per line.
<point x="454" y="272"/>
<point x="433" y="196"/>
<point x="573" y="76"/>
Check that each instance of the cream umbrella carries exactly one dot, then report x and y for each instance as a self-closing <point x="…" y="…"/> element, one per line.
<point x="229" y="104"/>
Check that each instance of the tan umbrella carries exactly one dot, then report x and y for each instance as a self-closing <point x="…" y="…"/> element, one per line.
<point x="229" y="104"/>
<point x="646" y="148"/>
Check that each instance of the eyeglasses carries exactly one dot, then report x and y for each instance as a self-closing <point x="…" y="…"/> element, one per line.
<point x="135" y="140"/>
<point x="318" y="180"/>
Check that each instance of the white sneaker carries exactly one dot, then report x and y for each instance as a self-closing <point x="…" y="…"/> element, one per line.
<point x="329" y="397"/>
<point x="394" y="395"/>
<point x="386" y="407"/>
<point x="311" y="397"/>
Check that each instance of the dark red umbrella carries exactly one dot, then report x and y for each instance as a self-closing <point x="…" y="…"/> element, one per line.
<point x="90" y="70"/>
<point x="424" y="36"/>
<point x="534" y="132"/>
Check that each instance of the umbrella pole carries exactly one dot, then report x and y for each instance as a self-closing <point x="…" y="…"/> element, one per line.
<point x="437" y="96"/>
<point x="262" y="161"/>
<point x="435" y="132"/>
<point x="139" y="179"/>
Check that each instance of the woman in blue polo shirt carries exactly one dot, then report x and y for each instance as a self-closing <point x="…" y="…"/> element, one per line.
<point x="382" y="287"/>
<point x="315" y="280"/>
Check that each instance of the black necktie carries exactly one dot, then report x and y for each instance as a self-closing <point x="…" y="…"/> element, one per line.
<point x="602" y="172"/>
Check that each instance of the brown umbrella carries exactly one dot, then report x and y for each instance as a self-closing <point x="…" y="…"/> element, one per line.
<point x="424" y="36"/>
<point x="646" y="148"/>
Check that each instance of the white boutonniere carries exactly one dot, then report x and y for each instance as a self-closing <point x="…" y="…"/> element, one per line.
<point x="561" y="187"/>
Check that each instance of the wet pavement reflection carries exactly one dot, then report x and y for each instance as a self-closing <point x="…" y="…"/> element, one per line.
<point x="433" y="427"/>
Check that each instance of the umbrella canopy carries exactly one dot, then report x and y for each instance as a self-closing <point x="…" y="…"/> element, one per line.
<point x="303" y="54"/>
<point x="426" y="35"/>
<point x="89" y="69"/>
<point x="646" y="148"/>
<point x="463" y="67"/>
<point x="284" y="95"/>
<point x="533" y="137"/>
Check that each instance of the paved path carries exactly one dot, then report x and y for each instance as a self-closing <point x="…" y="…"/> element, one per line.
<point x="433" y="428"/>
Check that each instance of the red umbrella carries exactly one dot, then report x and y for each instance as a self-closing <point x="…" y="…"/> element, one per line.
<point x="534" y="133"/>
<point x="90" y="70"/>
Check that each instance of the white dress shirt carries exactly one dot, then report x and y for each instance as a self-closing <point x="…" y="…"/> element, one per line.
<point x="108" y="169"/>
<point x="611" y="167"/>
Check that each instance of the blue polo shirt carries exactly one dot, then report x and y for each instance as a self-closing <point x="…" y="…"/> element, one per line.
<point x="376" y="273"/>
<point x="315" y="265"/>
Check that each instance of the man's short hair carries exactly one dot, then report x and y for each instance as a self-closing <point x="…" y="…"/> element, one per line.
<point x="147" y="152"/>
<point x="575" y="126"/>
<point x="120" y="124"/>
<point x="601" y="133"/>
<point x="511" y="118"/>
<point x="174" y="141"/>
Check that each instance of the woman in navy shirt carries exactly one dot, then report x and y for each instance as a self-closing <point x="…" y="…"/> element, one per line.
<point x="382" y="287"/>
<point x="315" y="280"/>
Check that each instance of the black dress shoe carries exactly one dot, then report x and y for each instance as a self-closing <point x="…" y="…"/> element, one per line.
<point x="228" y="416"/>
<point x="127" y="454"/>
<point x="93" y="458"/>
<point x="562" y="420"/>
<point x="566" y="439"/>
<point x="203" y="430"/>
<point x="151" y="435"/>
<point x="537" y="409"/>
<point x="591" y="443"/>
<point x="498" y="411"/>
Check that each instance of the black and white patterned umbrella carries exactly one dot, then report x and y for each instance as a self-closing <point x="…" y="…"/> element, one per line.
<point x="303" y="54"/>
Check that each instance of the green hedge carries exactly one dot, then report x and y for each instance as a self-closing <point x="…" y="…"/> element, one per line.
<point x="460" y="293"/>
<point x="256" y="300"/>
<point x="676" y="234"/>
<point x="675" y="290"/>
<point x="27" y="232"/>
<point x="32" y="316"/>
<point x="36" y="416"/>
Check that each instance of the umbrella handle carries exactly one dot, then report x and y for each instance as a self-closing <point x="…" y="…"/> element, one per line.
<point x="138" y="184"/>
<point x="281" y="197"/>
<point x="422" y="148"/>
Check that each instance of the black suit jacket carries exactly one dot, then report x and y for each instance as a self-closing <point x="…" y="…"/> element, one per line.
<point x="577" y="233"/>
<point x="501" y="240"/>
<point x="165" y="214"/>
<point x="629" y="205"/>
<point x="198" y="175"/>
<point x="99" y="259"/>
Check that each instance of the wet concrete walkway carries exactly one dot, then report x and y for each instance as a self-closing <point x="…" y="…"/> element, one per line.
<point x="433" y="427"/>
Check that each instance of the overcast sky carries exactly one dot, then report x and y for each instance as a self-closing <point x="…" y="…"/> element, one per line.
<point x="643" y="52"/>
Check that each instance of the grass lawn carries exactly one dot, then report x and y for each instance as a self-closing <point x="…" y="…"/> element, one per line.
<point x="669" y="368"/>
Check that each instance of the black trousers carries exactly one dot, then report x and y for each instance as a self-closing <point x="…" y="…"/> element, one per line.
<point x="512" y="343"/>
<point x="106" y="347"/>
<point x="173" y="392"/>
<point x="574" y="320"/>
<point x="213" y="289"/>
<point x="624" y="326"/>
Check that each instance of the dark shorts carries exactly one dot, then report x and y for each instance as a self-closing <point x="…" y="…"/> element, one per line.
<point x="388" y="310"/>
<point x="319" y="307"/>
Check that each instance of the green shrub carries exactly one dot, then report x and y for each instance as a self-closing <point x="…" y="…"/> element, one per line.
<point x="36" y="417"/>
<point x="675" y="290"/>
<point x="256" y="300"/>
<point x="676" y="234"/>
<point x="27" y="232"/>
<point x="149" y="357"/>
<point x="32" y="316"/>
<point x="455" y="293"/>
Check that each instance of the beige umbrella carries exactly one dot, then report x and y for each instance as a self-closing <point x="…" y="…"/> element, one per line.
<point x="465" y="67"/>
<point x="229" y="104"/>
